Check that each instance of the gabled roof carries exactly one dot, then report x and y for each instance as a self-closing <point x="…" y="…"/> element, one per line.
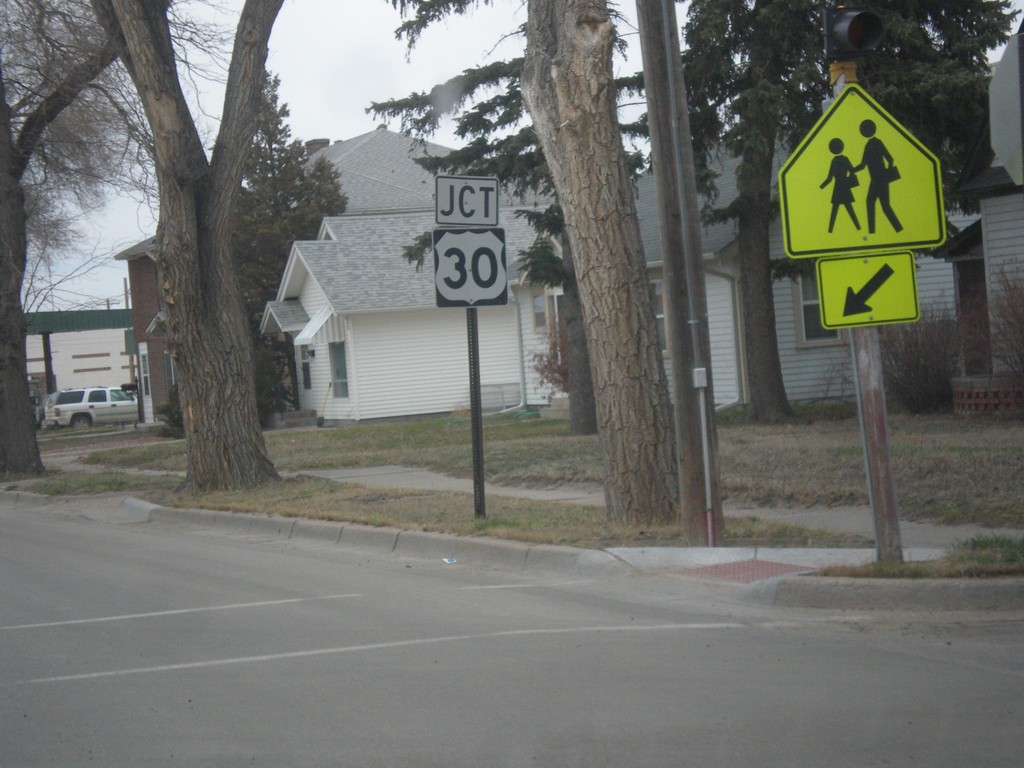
<point x="362" y="270"/>
<point x="377" y="172"/>
<point x="287" y="315"/>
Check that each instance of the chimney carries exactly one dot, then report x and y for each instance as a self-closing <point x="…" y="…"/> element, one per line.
<point x="315" y="145"/>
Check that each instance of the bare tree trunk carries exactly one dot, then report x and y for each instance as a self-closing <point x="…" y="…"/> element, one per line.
<point x="19" y="451"/>
<point x="568" y="89"/>
<point x="768" y="400"/>
<point x="207" y="329"/>
<point x="582" y="408"/>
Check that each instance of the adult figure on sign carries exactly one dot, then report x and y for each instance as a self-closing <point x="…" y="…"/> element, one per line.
<point x="882" y="171"/>
<point x="843" y="179"/>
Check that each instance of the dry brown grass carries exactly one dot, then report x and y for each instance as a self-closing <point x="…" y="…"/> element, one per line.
<point x="947" y="469"/>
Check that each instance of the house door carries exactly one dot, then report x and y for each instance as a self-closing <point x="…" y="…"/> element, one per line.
<point x="145" y="392"/>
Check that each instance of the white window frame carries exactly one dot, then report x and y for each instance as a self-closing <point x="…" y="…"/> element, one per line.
<point x="802" y="304"/>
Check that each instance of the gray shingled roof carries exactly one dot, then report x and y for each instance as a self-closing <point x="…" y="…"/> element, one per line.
<point x="377" y="173"/>
<point x="714" y="237"/>
<point x="363" y="269"/>
<point x="288" y="315"/>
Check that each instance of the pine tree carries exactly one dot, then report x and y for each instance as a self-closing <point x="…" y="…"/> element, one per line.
<point x="284" y="197"/>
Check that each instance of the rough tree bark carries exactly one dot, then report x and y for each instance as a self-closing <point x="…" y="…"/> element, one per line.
<point x="568" y="89"/>
<point x="19" y="452"/>
<point x="768" y="401"/>
<point x="205" y="317"/>
<point x="582" y="409"/>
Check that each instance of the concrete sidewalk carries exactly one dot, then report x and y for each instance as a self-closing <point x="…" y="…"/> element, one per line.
<point x="857" y="520"/>
<point x="771" y="575"/>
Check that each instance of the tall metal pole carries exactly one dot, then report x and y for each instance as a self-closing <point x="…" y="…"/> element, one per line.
<point x="867" y="364"/>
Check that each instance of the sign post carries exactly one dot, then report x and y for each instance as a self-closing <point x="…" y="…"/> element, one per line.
<point x="470" y="270"/>
<point x="858" y="187"/>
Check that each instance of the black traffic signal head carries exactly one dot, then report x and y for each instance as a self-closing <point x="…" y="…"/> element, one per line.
<point x="851" y="32"/>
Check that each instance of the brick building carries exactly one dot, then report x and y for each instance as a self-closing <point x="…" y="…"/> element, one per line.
<point x="156" y="368"/>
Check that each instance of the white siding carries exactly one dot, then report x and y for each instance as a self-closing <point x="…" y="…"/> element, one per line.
<point x="936" y="289"/>
<point x="417" y="362"/>
<point x="809" y="371"/>
<point x="82" y="358"/>
<point x="725" y="370"/>
<point x="1003" y="233"/>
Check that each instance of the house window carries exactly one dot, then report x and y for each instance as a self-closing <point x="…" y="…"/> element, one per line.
<point x="540" y="312"/>
<point x="658" y="302"/>
<point x="810" y="313"/>
<point x="339" y="369"/>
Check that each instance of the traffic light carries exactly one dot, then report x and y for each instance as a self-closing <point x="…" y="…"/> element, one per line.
<point x="851" y="32"/>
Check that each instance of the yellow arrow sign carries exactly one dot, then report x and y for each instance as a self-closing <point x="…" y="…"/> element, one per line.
<point x="868" y="290"/>
<point x="860" y="182"/>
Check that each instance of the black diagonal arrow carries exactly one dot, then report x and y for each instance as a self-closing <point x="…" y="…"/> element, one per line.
<point x="857" y="303"/>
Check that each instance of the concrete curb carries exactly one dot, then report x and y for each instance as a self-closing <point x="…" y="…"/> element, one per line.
<point x="421" y="545"/>
<point x="947" y="595"/>
<point x="791" y="591"/>
<point x="24" y="498"/>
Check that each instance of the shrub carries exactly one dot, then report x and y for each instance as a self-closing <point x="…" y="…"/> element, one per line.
<point x="919" y="361"/>
<point x="553" y="366"/>
<point x="1007" y="313"/>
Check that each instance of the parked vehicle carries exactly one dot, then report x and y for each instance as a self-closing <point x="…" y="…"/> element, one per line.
<point x="87" y="406"/>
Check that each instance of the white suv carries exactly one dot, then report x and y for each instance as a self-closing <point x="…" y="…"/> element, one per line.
<point x="87" y="406"/>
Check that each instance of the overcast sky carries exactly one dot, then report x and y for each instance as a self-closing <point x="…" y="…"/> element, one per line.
<point x="334" y="59"/>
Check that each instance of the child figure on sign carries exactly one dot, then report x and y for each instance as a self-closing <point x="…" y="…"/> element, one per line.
<point x="843" y="179"/>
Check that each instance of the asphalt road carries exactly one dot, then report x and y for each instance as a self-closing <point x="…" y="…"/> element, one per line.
<point x="125" y="643"/>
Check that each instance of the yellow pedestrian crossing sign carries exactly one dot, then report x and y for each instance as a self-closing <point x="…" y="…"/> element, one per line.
<point x="873" y="289"/>
<point x="860" y="182"/>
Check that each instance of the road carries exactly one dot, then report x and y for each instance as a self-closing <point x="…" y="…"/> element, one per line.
<point x="127" y="643"/>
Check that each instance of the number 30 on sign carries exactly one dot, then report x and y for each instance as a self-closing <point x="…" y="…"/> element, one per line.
<point x="470" y="268"/>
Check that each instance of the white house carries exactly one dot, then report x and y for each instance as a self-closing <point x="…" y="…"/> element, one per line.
<point x="370" y="340"/>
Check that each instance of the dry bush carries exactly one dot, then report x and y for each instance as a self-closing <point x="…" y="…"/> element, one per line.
<point x="1007" y="312"/>
<point x="920" y="360"/>
<point x="553" y="365"/>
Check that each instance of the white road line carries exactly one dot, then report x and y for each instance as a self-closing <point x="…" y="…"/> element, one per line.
<point x="194" y="665"/>
<point x="177" y="612"/>
<point x="521" y="586"/>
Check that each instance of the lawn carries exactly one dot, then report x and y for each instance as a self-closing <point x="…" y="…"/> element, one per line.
<point x="947" y="468"/>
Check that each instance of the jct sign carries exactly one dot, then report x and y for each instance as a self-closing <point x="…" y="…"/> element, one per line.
<point x="470" y="201"/>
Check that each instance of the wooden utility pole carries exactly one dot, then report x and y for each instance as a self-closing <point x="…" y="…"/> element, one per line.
<point x="867" y="366"/>
<point x="683" y="272"/>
